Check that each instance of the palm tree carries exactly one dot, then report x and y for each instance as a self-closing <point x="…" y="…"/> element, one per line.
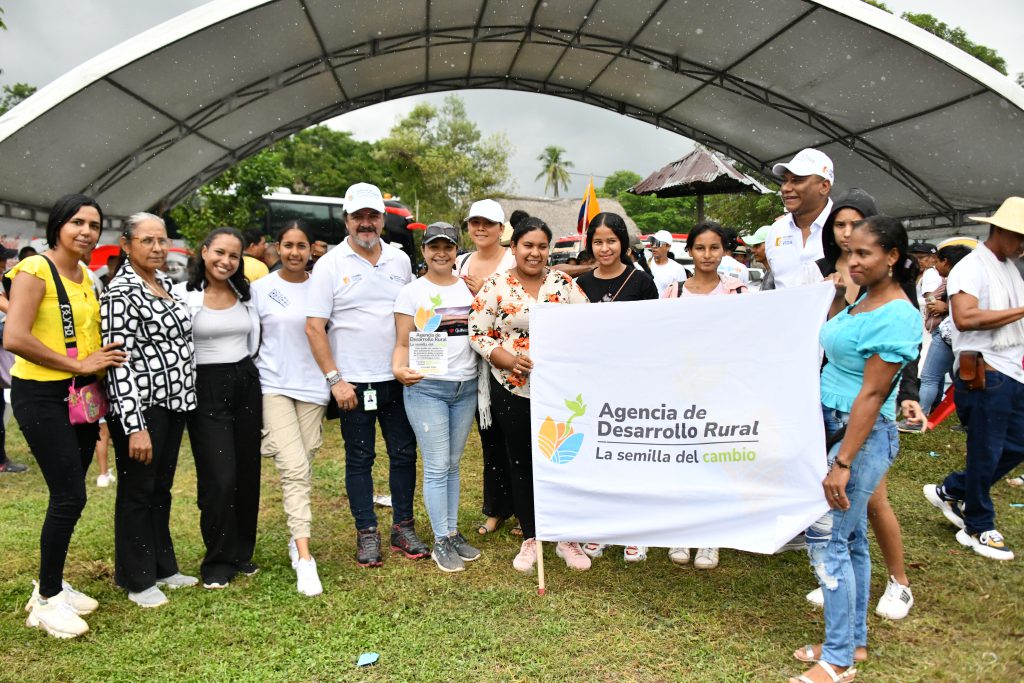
<point x="555" y="167"/>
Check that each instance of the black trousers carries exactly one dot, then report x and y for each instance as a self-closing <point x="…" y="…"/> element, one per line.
<point x="63" y="452"/>
<point x="512" y="414"/>
<point x="225" y="435"/>
<point x="143" y="550"/>
<point x="497" y="492"/>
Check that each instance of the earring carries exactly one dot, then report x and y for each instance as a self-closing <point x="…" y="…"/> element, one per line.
<point x="890" y="271"/>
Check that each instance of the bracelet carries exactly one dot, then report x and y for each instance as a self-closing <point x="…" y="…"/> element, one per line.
<point x="842" y="464"/>
<point x="332" y="378"/>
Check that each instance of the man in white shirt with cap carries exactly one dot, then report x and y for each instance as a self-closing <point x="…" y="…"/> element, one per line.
<point x="665" y="270"/>
<point x="794" y="243"/>
<point x="354" y="287"/>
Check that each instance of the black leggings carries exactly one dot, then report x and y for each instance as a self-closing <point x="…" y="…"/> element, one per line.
<point x="63" y="452"/>
<point x="143" y="551"/>
<point x="225" y="435"/>
<point x="512" y="413"/>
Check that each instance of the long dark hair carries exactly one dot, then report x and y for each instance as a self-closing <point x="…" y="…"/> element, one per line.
<point x="890" y="235"/>
<point x="703" y="227"/>
<point x="529" y="225"/>
<point x="295" y="224"/>
<point x="64" y="209"/>
<point x="613" y="222"/>
<point x="197" y="267"/>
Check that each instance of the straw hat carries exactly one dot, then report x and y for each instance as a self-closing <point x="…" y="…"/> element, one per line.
<point x="1010" y="216"/>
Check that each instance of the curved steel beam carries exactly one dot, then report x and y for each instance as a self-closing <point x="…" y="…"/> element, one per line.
<point x="470" y="35"/>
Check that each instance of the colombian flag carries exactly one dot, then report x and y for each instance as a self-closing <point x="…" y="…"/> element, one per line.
<point x="588" y="209"/>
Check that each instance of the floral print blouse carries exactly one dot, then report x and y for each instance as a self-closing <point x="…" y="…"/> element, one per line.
<point x="501" y="317"/>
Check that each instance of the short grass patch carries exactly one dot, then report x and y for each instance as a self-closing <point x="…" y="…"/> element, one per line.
<point x="647" y="622"/>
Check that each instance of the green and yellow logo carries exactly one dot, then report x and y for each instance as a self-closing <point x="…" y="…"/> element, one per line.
<point x="557" y="440"/>
<point x="427" y="319"/>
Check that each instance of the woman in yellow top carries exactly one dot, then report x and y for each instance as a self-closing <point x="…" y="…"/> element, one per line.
<point x="41" y="376"/>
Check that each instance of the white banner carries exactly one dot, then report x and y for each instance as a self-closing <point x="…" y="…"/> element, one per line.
<point x="691" y="422"/>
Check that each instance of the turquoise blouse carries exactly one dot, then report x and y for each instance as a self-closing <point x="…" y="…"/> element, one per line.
<point x="892" y="331"/>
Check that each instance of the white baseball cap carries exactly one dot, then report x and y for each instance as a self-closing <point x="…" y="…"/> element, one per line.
<point x="487" y="209"/>
<point x="363" y="196"/>
<point x="663" y="236"/>
<point x="808" y="162"/>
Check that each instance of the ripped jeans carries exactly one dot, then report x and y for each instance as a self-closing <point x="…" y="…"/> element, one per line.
<point x="838" y="544"/>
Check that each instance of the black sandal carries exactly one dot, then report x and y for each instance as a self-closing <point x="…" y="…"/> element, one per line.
<point x="483" y="529"/>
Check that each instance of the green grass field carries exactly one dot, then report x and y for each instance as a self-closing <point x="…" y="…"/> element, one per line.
<point x="647" y="622"/>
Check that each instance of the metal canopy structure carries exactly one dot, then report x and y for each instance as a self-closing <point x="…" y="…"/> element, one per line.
<point x="927" y="129"/>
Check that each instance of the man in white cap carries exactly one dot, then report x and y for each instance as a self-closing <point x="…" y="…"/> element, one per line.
<point x="986" y="296"/>
<point x="756" y="242"/>
<point x="354" y="287"/>
<point x="665" y="270"/>
<point x="794" y="243"/>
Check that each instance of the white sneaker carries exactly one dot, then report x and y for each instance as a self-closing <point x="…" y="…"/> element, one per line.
<point x="56" y="617"/>
<point x="526" y="559"/>
<point x="81" y="603"/>
<point x="816" y="597"/>
<point x="307" y="580"/>
<point x="105" y="480"/>
<point x="707" y="558"/>
<point x="896" y="602"/>
<point x="634" y="553"/>
<point x="594" y="550"/>
<point x="177" y="580"/>
<point x="573" y="555"/>
<point x="679" y="555"/>
<point x="293" y="551"/>
<point x="149" y="598"/>
<point x="988" y="544"/>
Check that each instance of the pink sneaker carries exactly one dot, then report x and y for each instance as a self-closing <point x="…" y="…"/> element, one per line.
<point x="527" y="557"/>
<point x="573" y="555"/>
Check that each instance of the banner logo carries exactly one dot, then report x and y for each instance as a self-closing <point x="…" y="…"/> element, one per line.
<point x="427" y="319"/>
<point x="557" y="440"/>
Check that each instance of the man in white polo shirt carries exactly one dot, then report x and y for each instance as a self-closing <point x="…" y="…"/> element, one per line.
<point x="986" y="296"/>
<point x="354" y="287"/>
<point x="794" y="243"/>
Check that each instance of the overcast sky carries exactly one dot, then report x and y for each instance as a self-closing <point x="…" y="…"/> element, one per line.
<point x="46" y="38"/>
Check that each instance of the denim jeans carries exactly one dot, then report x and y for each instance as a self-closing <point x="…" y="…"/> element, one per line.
<point x="441" y="415"/>
<point x="995" y="444"/>
<point x="359" y="431"/>
<point x="937" y="364"/>
<point x="838" y="544"/>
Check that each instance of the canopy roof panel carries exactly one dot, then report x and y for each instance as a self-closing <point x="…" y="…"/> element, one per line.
<point x="926" y="128"/>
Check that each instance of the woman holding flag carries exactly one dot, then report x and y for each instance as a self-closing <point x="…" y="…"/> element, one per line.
<point x="499" y="329"/>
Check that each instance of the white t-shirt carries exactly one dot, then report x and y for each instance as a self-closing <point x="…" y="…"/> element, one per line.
<point x="443" y="309"/>
<point x="929" y="282"/>
<point x="358" y="299"/>
<point x="285" y="360"/>
<point x="792" y="259"/>
<point x="665" y="275"/>
<point x="733" y="268"/>
<point x="971" y="277"/>
<point x="462" y="263"/>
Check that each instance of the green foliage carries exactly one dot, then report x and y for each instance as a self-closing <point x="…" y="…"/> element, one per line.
<point x="617" y="622"/>
<point x="554" y="169"/>
<point x="879" y="5"/>
<point x="232" y="198"/>
<point x="14" y="94"/>
<point x="745" y="212"/>
<point x="1020" y="79"/>
<point x="958" y="37"/>
<point x="439" y="158"/>
<point x="649" y="212"/>
<point x="323" y="161"/>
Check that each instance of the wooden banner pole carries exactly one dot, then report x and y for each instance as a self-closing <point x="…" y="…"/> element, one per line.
<point x="540" y="568"/>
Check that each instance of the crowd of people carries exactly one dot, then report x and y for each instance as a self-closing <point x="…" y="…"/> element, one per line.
<point x="250" y="359"/>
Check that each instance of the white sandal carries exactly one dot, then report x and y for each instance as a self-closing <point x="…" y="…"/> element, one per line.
<point x="845" y="677"/>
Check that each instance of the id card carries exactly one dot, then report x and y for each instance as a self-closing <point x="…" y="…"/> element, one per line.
<point x="370" y="399"/>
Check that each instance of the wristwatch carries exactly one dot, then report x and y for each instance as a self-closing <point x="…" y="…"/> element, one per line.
<point x="332" y="378"/>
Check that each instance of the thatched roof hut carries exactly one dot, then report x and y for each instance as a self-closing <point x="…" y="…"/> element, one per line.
<point x="561" y="214"/>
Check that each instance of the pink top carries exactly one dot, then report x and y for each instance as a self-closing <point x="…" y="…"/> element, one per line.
<point x="726" y="285"/>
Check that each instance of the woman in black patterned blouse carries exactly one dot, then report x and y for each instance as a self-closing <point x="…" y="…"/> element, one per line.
<point x="149" y="398"/>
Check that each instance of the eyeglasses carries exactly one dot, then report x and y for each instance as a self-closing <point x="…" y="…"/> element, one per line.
<point x="148" y="242"/>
